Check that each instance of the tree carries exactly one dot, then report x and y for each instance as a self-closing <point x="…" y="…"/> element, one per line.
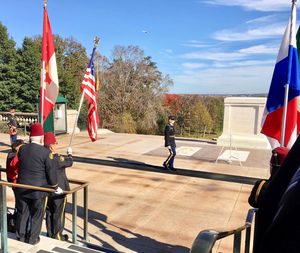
<point x="29" y="71"/>
<point x="71" y="64"/>
<point x="8" y="72"/>
<point x="173" y="103"/>
<point x="215" y="107"/>
<point x="200" y="118"/>
<point x="132" y="84"/>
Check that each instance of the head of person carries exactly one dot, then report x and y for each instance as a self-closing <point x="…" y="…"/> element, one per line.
<point x="278" y="156"/>
<point x="50" y="141"/>
<point x="12" y="111"/>
<point x="172" y="119"/>
<point x="37" y="134"/>
<point x="15" y="146"/>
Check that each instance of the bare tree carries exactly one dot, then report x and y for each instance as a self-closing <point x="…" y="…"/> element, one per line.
<point x="131" y="86"/>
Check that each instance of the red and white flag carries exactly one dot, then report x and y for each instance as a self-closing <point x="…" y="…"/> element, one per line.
<point x="49" y="79"/>
<point x="88" y="87"/>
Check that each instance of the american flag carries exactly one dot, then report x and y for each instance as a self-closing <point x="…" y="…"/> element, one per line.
<point x="88" y="87"/>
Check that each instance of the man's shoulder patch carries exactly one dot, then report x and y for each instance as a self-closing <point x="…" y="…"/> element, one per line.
<point x="51" y="156"/>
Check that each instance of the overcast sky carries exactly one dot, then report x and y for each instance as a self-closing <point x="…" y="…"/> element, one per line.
<point x="206" y="46"/>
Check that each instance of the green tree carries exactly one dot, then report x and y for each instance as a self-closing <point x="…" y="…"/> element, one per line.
<point x="29" y="71"/>
<point x="8" y="72"/>
<point x="215" y="107"/>
<point x="71" y="63"/>
<point x="200" y="118"/>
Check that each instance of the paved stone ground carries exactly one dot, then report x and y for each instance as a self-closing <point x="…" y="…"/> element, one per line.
<point x="144" y="211"/>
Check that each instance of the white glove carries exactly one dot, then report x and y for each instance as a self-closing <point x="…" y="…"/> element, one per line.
<point x="69" y="151"/>
<point x="169" y="147"/>
<point x="59" y="191"/>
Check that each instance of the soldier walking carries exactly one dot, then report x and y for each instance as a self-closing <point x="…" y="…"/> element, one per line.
<point x="170" y="144"/>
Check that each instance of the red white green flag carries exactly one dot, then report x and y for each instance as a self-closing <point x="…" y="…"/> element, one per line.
<point x="49" y="79"/>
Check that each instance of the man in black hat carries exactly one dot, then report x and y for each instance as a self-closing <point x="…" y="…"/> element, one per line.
<point x="170" y="144"/>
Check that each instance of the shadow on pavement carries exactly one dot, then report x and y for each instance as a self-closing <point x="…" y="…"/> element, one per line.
<point x="134" y="241"/>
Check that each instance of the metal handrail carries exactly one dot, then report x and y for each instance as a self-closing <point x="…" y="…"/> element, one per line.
<point x="3" y="207"/>
<point x="206" y="239"/>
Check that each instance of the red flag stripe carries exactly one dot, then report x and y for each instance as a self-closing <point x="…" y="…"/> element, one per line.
<point x="88" y="87"/>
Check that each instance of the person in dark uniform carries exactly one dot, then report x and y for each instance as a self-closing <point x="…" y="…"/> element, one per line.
<point x="283" y="234"/>
<point x="270" y="203"/>
<point x="55" y="211"/>
<point x="36" y="168"/>
<point x="12" y="125"/>
<point x="260" y="187"/>
<point x="170" y="144"/>
<point x="278" y="156"/>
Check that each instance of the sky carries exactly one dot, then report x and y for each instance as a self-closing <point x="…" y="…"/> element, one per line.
<point x="205" y="46"/>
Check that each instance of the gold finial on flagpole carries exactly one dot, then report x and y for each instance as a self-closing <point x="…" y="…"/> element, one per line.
<point x="96" y="41"/>
<point x="45" y="3"/>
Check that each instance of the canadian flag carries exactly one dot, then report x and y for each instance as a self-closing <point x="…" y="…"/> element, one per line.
<point x="49" y="79"/>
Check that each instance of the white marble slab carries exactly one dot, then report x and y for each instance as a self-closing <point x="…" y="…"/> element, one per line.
<point x="187" y="151"/>
<point x="234" y="155"/>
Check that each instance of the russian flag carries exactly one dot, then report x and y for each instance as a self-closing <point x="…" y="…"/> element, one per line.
<point x="286" y="72"/>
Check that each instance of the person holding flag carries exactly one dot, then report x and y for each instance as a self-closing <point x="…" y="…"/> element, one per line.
<point x="49" y="78"/>
<point x="281" y="119"/>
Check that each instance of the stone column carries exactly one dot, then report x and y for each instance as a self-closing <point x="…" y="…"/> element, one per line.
<point x="242" y="123"/>
<point x="71" y="117"/>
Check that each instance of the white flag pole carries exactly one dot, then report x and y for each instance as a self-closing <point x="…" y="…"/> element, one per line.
<point x="96" y="42"/>
<point x="286" y="94"/>
<point x="77" y="116"/>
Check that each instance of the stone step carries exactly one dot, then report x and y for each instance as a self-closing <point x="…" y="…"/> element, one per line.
<point x="49" y="245"/>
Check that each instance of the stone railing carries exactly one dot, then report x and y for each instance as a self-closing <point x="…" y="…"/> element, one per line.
<point x="24" y="118"/>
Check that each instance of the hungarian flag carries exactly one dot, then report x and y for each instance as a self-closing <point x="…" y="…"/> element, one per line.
<point x="286" y="74"/>
<point x="88" y="88"/>
<point x="49" y="79"/>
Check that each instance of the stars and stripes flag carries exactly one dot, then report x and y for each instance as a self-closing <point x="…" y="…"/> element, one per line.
<point x="88" y="88"/>
<point x="285" y="80"/>
<point x="49" y="79"/>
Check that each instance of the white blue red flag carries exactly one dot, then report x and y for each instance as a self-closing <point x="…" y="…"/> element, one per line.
<point x="88" y="87"/>
<point x="286" y="71"/>
<point x="49" y="79"/>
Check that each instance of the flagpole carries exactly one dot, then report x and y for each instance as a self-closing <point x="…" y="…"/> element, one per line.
<point x="96" y="42"/>
<point x="42" y="81"/>
<point x="42" y="97"/>
<point x="287" y="86"/>
<point x="97" y="71"/>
